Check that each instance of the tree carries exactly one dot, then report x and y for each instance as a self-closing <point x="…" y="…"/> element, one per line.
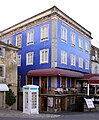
<point x="10" y="98"/>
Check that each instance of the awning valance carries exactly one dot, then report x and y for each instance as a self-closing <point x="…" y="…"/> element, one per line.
<point x="54" y="72"/>
<point x="92" y="78"/>
<point x="4" y="87"/>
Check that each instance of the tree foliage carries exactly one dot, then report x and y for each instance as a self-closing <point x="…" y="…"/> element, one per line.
<point x="10" y="98"/>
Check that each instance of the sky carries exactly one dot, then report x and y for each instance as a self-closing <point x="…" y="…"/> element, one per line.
<point x="85" y="12"/>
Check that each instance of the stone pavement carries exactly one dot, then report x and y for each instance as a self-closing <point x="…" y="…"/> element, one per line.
<point x="20" y="114"/>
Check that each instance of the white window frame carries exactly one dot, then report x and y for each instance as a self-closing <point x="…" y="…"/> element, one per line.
<point x="86" y="64"/>
<point x="4" y="70"/>
<point x="29" y="55"/>
<point x="73" y="39"/>
<point x="44" y="57"/>
<point x="86" y="46"/>
<point x="30" y="37"/>
<point x="80" y="42"/>
<point x="19" y="60"/>
<point x="73" y="60"/>
<point x="20" y="45"/>
<point x="63" y="34"/>
<point x="44" y="31"/>
<point x="80" y="62"/>
<point x="63" y="57"/>
<point x="2" y="54"/>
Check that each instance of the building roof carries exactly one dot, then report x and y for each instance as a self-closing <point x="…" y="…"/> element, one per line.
<point x="52" y="11"/>
<point x="54" y="72"/>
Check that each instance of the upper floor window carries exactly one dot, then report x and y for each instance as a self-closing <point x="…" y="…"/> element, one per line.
<point x="2" y="52"/>
<point x="9" y="41"/>
<point x="29" y="58"/>
<point x="73" y="39"/>
<point x="63" y="57"/>
<point x="80" y="42"/>
<point x="96" y="54"/>
<point x="86" y="46"/>
<point x="44" y="32"/>
<point x="30" y="37"/>
<point x="73" y="60"/>
<point x="2" y="71"/>
<point x="19" y="60"/>
<point x="80" y="62"/>
<point x="44" y="55"/>
<point x="63" y="34"/>
<point x="19" y="40"/>
<point x="87" y="64"/>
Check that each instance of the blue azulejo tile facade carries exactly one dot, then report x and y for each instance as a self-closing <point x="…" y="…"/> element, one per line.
<point x="73" y="49"/>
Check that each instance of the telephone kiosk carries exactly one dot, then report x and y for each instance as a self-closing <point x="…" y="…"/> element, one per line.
<point x="31" y="99"/>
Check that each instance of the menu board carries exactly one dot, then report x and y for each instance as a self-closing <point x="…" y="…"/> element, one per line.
<point x="89" y="102"/>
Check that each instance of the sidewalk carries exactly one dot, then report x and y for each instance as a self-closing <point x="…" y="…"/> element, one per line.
<point x="20" y="114"/>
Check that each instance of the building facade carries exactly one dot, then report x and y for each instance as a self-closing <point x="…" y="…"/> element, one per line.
<point x="8" y="72"/>
<point x="55" y="50"/>
<point x="94" y="60"/>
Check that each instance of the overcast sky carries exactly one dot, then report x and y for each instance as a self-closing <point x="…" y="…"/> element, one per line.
<point x="85" y="12"/>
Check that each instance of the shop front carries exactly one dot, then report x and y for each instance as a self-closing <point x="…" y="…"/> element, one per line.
<point x="58" y="90"/>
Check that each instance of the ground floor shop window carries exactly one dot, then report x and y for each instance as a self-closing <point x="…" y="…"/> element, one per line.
<point x="29" y="81"/>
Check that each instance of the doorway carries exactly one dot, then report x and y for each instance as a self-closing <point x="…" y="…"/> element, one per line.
<point x="43" y="85"/>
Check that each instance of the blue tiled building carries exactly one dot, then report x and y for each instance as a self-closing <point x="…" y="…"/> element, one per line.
<point x="55" y="50"/>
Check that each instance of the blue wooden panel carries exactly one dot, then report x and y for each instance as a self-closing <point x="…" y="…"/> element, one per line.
<point x="68" y="82"/>
<point x="58" y="82"/>
<point x="49" y="82"/>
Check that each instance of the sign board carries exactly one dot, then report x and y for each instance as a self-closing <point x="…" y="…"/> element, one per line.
<point x="50" y="101"/>
<point x="89" y="102"/>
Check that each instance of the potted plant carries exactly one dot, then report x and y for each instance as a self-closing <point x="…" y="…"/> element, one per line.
<point x="10" y="98"/>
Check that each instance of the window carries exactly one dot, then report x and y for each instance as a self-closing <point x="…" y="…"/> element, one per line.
<point x="73" y="60"/>
<point x="30" y="37"/>
<point x="44" y="32"/>
<point x="80" y="62"/>
<point x="29" y="80"/>
<point x="86" y="46"/>
<point x="73" y="39"/>
<point x="9" y="41"/>
<point x="44" y="56"/>
<point x="2" y="52"/>
<point x="29" y="58"/>
<point x="63" y="34"/>
<point x="2" y="71"/>
<point x="80" y="42"/>
<point x="19" y="40"/>
<point x="86" y="64"/>
<point x="63" y="57"/>
<point x="19" y="60"/>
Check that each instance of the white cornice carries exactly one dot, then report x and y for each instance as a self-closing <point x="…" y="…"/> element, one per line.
<point x="54" y="10"/>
